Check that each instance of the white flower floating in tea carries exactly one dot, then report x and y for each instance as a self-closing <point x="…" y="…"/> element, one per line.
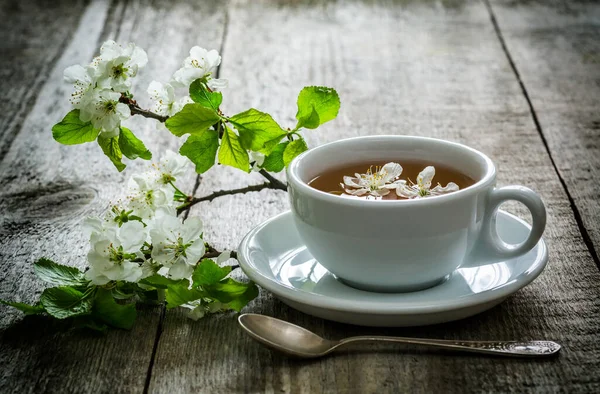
<point x="423" y="186"/>
<point x="376" y="184"/>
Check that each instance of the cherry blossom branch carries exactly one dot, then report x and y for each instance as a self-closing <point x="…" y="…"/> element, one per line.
<point x="137" y="110"/>
<point x="276" y="183"/>
<point x="220" y="193"/>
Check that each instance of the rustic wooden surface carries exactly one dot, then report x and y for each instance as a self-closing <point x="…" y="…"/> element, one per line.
<point x="518" y="80"/>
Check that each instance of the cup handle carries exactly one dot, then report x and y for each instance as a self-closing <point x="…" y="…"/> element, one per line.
<point x="532" y="201"/>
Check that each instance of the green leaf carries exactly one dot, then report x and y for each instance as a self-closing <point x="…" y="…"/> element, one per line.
<point x="63" y="302"/>
<point x="25" y="308"/>
<point x="180" y="294"/>
<point x="110" y="147"/>
<point x="235" y="294"/>
<point x="274" y="161"/>
<point x="107" y="310"/>
<point x="258" y="131"/>
<point x="71" y="130"/>
<point x="132" y="146"/>
<point x="316" y="105"/>
<point x="201" y="95"/>
<point x="208" y="273"/>
<point x="159" y="281"/>
<point x="201" y="149"/>
<point x="293" y="149"/>
<point x="232" y="153"/>
<point x="193" y="118"/>
<point x="57" y="274"/>
<point x="87" y="321"/>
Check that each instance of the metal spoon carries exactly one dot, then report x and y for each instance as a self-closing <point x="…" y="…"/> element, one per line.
<point x="297" y="341"/>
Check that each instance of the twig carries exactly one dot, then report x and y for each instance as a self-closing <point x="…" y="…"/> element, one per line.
<point x="276" y="183"/>
<point x="220" y="193"/>
<point x="135" y="110"/>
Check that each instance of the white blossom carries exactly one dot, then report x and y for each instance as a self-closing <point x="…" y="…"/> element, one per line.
<point x="172" y="166"/>
<point x="105" y="111"/>
<point x="200" y="64"/>
<point x="164" y="97"/>
<point x="112" y="251"/>
<point x="423" y="186"/>
<point x="146" y="193"/>
<point x="116" y="65"/>
<point x="176" y="245"/>
<point x="376" y="184"/>
<point x="83" y="82"/>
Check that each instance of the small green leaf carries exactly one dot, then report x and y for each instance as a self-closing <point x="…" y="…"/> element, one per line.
<point x="258" y="131"/>
<point x="231" y="152"/>
<point x="25" y="308"/>
<point x="159" y="281"/>
<point x="110" y="147"/>
<point x="131" y="146"/>
<point x="57" y="274"/>
<point x="193" y="118"/>
<point x="274" y="161"/>
<point x="293" y="149"/>
<point x="71" y="130"/>
<point x="180" y="294"/>
<point x="107" y="310"/>
<point x="63" y="302"/>
<point x="208" y="273"/>
<point x="235" y="294"/>
<point x="201" y="149"/>
<point x="201" y="95"/>
<point x="317" y="105"/>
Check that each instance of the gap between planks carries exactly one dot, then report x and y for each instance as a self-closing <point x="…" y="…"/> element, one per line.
<point x="577" y="215"/>
<point x="186" y="214"/>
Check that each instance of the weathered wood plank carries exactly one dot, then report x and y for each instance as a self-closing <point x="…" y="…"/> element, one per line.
<point x="31" y="40"/>
<point x="47" y="189"/>
<point x="420" y="68"/>
<point x="556" y="50"/>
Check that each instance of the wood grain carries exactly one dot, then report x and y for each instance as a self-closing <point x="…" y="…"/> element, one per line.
<point x="556" y="50"/>
<point x="418" y="68"/>
<point x="48" y="188"/>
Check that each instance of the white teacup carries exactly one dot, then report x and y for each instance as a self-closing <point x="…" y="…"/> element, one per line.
<point x="403" y="245"/>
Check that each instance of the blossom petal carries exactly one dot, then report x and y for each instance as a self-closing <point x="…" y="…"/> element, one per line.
<point x="358" y="192"/>
<point x="449" y="188"/>
<point x="218" y="84"/>
<point x="180" y="269"/>
<point x="132" y="236"/>
<point x="390" y="171"/>
<point x="191" y="229"/>
<point x="406" y="191"/>
<point x="195" y="251"/>
<point x="425" y="177"/>
<point x="352" y="182"/>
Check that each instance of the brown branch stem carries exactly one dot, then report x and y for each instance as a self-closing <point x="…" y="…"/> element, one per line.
<point x="220" y="193"/>
<point x="137" y="110"/>
<point x="276" y="183"/>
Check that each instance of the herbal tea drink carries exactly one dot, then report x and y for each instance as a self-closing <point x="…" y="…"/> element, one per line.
<point x="395" y="180"/>
<point x="447" y="216"/>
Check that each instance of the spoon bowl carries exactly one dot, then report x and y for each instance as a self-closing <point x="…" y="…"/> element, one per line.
<point x="285" y="337"/>
<point x="300" y="342"/>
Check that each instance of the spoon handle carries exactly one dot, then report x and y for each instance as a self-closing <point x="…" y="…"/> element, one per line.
<point x="506" y="348"/>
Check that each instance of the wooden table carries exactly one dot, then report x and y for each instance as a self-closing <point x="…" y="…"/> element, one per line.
<point x="518" y="80"/>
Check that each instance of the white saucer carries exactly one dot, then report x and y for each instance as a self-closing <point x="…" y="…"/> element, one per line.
<point x="274" y="257"/>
